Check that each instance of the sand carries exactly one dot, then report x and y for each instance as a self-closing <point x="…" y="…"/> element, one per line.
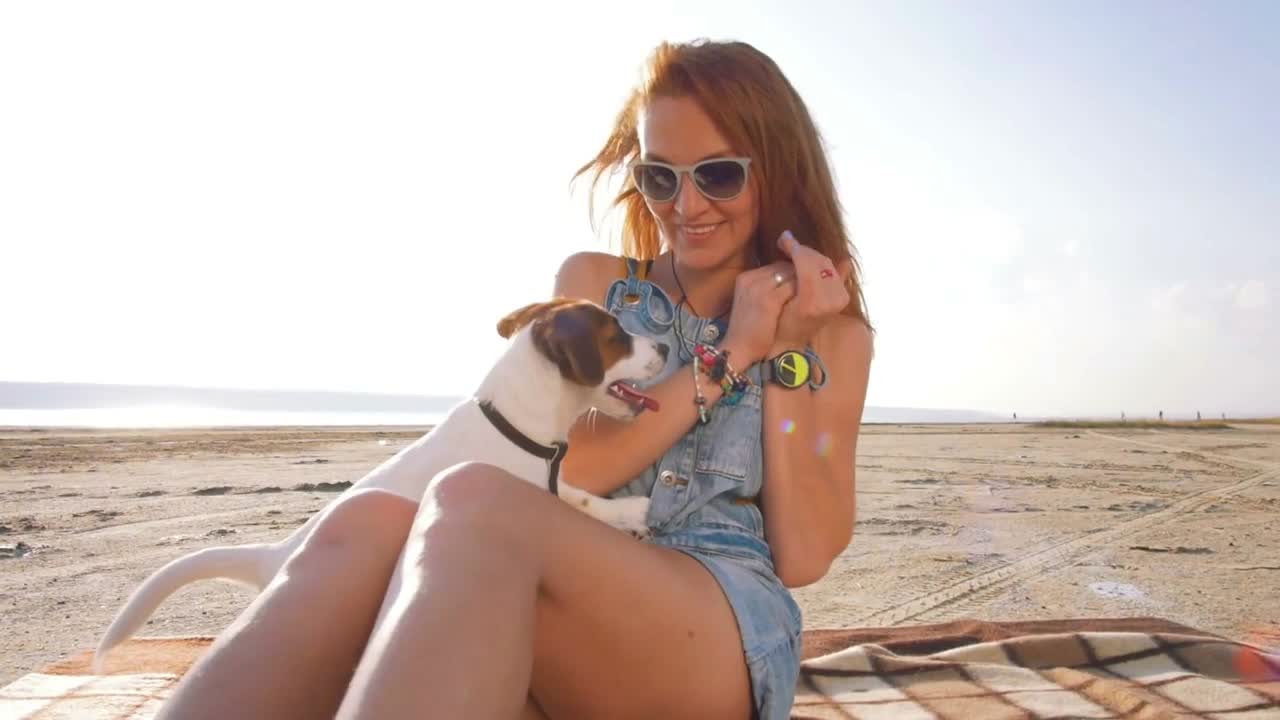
<point x="996" y="522"/>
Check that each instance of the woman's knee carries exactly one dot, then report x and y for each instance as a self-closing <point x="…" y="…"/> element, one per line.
<point x="475" y="502"/>
<point x="473" y="491"/>
<point x="370" y="518"/>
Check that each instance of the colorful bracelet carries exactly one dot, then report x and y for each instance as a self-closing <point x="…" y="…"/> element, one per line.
<point x="715" y="364"/>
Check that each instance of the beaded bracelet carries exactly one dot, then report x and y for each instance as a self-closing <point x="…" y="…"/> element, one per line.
<point x="716" y="365"/>
<point x="698" y="398"/>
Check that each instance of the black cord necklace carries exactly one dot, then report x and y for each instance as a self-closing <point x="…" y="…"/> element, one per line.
<point x="684" y="302"/>
<point x="684" y="296"/>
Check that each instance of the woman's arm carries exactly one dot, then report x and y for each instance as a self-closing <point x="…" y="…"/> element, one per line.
<point x="604" y="454"/>
<point x="808" y="498"/>
<point x="810" y="446"/>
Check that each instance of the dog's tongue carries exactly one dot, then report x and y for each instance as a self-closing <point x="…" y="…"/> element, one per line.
<point x="634" y="396"/>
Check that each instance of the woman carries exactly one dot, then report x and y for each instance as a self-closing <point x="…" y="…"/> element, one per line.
<point x="516" y="605"/>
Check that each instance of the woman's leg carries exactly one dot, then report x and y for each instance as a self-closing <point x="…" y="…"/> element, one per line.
<point x="532" y="711"/>
<point x="509" y="592"/>
<point x="290" y="654"/>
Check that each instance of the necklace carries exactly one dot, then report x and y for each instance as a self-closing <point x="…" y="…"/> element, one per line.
<point x="684" y="296"/>
<point x="684" y="302"/>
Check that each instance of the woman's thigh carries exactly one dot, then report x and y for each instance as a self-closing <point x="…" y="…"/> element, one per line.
<point x="291" y="652"/>
<point x="637" y="631"/>
<point x="623" y="628"/>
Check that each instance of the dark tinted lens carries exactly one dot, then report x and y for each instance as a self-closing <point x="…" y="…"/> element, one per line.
<point x="655" y="181"/>
<point x="721" y="178"/>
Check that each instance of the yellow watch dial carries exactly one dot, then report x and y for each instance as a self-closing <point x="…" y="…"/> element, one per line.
<point x="791" y="369"/>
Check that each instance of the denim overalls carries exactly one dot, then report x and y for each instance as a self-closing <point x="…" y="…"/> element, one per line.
<point x="703" y="493"/>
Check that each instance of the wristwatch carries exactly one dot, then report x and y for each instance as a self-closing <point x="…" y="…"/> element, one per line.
<point x="794" y="369"/>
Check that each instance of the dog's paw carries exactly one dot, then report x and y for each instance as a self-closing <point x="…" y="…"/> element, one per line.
<point x="628" y="515"/>
<point x="641" y="535"/>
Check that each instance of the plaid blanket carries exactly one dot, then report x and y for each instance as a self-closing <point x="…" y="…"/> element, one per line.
<point x="1132" y="668"/>
<point x="1141" y="668"/>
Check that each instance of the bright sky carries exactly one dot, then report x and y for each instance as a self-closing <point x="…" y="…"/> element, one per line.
<point x="1064" y="208"/>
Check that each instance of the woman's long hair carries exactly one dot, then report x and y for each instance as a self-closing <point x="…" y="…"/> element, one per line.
<point x="754" y="105"/>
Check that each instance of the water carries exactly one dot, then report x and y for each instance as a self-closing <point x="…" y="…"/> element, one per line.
<point x="136" y="406"/>
<point x="176" y="416"/>
<point x="132" y="406"/>
<point x="187" y="417"/>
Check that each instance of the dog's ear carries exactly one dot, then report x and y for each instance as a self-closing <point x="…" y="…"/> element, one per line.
<point x="517" y="319"/>
<point x="570" y="339"/>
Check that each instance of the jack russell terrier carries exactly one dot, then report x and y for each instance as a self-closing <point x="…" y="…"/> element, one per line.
<point x="565" y="358"/>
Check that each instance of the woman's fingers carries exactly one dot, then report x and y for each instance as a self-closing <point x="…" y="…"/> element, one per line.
<point x="812" y="265"/>
<point x="783" y="276"/>
<point x="808" y="264"/>
<point x="770" y="277"/>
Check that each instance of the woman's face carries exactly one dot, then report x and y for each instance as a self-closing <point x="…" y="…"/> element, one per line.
<point x="703" y="233"/>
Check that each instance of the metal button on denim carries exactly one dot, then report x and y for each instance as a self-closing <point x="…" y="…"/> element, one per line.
<point x="669" y="478"/>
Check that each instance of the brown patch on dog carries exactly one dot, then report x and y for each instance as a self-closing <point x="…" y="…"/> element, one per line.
<point x="579" y="336"/>
<point x="517" y="319"/>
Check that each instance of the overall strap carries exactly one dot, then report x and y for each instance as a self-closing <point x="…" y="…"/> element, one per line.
<point x="636" y="273"/>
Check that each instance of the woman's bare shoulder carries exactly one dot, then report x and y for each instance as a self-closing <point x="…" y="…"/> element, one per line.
<point x="587" y="275"/>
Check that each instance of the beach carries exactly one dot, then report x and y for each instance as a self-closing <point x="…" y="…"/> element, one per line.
<point x="993" y="521"/>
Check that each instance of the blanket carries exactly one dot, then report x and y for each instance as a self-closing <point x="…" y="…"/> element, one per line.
<point x="1139" y="668"/>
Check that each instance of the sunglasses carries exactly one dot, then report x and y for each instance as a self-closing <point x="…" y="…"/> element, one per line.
<point x="717" y="178"/>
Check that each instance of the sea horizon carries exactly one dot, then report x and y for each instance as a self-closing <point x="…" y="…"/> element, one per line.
<point x="110" y="406"/>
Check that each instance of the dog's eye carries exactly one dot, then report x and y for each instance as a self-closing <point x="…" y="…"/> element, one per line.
<point x="622" y="340"/>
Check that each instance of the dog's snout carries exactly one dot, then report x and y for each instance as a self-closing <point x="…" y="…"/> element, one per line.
<point x="663" y="350"/>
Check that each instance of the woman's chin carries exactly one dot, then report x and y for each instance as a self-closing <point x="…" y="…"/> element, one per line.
<point x="705" y="256"/>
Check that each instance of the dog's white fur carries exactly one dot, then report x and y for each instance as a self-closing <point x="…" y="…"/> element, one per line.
<point x="524" y="385"/>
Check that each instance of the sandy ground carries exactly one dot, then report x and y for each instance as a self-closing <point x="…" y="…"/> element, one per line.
<point x="994" y="522"/>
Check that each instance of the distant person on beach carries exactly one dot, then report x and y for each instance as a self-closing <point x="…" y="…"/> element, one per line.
<point x="735" y="254"/>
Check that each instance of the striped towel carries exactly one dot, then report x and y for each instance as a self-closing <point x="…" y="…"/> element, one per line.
<point x="1139" y="668"/>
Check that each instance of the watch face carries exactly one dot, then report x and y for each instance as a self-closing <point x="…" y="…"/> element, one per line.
<point x="791" y="369"/>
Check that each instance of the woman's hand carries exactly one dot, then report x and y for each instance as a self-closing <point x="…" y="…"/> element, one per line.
<point x="820" y="294"/>
<point x="758" y="299"/>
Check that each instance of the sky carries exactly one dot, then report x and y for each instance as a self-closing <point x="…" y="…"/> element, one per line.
<point x="1063" y="208"/>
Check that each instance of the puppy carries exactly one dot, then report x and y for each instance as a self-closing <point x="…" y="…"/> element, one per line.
<point x="564" y="358"/>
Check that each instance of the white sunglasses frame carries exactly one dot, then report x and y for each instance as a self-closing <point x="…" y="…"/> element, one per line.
<point x="682" y="170"/>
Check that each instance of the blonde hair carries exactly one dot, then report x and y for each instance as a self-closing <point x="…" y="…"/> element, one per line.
<point x="753" y="104"/>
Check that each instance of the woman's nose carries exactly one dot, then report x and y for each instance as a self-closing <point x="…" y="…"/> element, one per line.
<point x="689" y="201"/>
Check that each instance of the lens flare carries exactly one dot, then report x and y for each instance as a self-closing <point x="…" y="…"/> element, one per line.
<point x="788" y="426"/>
<point x="824" y="444"/>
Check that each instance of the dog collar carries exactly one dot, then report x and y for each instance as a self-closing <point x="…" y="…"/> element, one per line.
<point x="554" y="452"/>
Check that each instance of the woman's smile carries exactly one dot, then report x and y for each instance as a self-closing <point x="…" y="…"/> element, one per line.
<point x="699" y="232"/>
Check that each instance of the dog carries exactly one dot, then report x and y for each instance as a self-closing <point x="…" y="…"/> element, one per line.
<point x="565" y="357"/>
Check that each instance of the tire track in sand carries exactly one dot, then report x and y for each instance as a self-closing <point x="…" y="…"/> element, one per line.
<point x="957" y="597"/>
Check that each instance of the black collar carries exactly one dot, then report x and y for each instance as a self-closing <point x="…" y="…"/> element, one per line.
<point x="554" y="453"/>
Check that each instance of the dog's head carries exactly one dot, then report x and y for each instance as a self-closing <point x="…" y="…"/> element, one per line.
<point x="591" y="349"/>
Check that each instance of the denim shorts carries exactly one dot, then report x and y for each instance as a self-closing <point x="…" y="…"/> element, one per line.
<point x="769" y="620"/>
